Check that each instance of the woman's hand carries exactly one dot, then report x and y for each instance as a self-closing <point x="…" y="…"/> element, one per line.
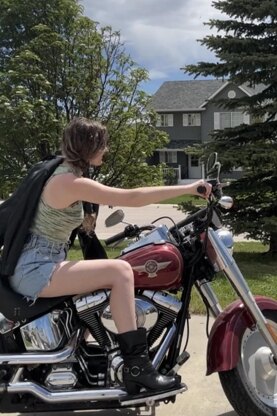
<point x="201" y="188"/>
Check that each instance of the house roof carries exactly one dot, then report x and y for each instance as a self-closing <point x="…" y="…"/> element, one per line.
<point x="180" y="144"/>
<point x="191" y="95"/>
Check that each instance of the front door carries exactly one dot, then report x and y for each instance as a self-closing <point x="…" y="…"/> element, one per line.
<point x="194" y="167"/>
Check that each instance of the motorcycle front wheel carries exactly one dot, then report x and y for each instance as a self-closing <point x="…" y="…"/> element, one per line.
<point x="251" y="387"/>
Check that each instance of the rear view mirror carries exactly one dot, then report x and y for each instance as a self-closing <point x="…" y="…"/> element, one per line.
<point x="213" y="167"/>
<point x="115" y="218"/>
<point x="211" y="163"/>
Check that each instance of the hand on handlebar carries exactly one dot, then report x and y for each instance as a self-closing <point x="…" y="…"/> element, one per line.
<point x="202" y="188"/>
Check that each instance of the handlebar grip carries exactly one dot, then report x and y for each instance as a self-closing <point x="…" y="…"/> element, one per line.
<point x="201" y="189"/>
<point x="115" y="238"/>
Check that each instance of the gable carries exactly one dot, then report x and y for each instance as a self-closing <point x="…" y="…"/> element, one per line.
<point x="194" y="95"/>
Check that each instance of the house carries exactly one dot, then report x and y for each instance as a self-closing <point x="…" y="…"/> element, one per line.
<point x="188" y="112"/>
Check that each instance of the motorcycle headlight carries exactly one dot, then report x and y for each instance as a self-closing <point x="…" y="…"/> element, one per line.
<point x="227" y="238"/>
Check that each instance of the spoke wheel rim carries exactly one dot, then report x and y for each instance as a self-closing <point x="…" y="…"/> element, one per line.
<point x="258" y="367"/>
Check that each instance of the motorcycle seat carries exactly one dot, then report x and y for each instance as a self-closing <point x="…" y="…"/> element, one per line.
<point x="16" y="307"/>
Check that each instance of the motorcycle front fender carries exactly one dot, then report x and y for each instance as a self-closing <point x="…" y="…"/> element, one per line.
<point x="223" y="349"/>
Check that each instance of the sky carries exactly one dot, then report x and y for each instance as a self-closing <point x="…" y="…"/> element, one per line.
<point x="160" y="35"/>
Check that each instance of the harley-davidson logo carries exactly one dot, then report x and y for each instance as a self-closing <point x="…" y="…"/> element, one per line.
<point x="151" y="267"/>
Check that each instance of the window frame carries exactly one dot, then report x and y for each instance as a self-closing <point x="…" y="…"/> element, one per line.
<point x="165" y="120"/>
<point x="165" y="158"/>
<point x="189" y="117"/>
<point x="218" y="124"/>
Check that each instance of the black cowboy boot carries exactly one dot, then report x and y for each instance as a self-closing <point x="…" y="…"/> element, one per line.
<point x="138" y="370"/>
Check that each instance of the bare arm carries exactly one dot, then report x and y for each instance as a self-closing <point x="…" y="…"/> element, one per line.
<point x="65" y="189"/>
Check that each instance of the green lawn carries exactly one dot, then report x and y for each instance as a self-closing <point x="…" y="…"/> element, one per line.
<point x="260" y="271"/>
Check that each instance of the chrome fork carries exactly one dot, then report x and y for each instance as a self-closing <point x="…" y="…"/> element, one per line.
<point x="206" y="291"/>
<point x="227" y="264"/>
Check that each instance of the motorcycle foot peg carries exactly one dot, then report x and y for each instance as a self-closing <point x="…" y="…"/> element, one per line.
<point x="150" y="398"/>
<point x="180" y="361"/>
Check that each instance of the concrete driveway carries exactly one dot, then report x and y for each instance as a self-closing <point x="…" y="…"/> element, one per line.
<point x="142" y="216"/>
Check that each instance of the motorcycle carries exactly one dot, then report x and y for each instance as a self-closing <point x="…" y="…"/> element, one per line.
<point x="61" y="354"/>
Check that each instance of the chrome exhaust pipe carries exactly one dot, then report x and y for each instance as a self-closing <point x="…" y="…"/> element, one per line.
<point x="19" y="387"/>
<point x="65" y="396"/>
<point x="42" y="358"/>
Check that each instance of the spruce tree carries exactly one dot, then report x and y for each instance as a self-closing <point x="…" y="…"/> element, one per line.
<point x="245" y="47"/>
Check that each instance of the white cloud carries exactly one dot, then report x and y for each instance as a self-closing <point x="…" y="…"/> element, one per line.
<point x="155" y="74"/>
<point x="160" y="35"/>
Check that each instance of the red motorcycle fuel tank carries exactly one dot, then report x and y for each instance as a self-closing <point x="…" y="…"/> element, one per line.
<point x="156" y="261"/>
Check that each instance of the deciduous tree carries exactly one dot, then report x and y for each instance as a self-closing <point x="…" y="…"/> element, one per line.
<point x="55" y="64"/>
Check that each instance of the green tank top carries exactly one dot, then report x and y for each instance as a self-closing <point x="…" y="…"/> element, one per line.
<point x="57" y="224"/>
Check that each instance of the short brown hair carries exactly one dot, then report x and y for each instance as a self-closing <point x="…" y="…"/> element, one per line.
<point x="82" y="139"/>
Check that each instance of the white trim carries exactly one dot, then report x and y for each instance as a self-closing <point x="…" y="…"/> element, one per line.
<point x="246" y="118"/>
<point x="178" y="110"/>
<point x="168" y="117"/>
<point x="216" y="120"/>
<point x="246" y="92"/>
<point x="215" y="93"/>
<point x="168" y="150"/>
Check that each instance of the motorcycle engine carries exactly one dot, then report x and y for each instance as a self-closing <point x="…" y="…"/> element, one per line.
<point x="154" y="311"/>
<point x="89" y="366"/>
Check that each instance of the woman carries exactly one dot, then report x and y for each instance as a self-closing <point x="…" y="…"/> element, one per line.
<point x="42" y="269"/>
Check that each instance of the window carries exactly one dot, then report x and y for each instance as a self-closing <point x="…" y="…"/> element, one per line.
<point x="168" y="157"/>
<point x="165" y="120"/>
<point x="232" y="94"/>
<point x="231" y="119"/>
<point x="194" y="161"/>
<point x="171" y="157"/>
<point x="191" y="119"/>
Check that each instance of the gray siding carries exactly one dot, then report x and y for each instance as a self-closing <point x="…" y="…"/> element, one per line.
<point x="212" y="107"/>
<point x="180" y="97"/>
<point x="180" y="132"/>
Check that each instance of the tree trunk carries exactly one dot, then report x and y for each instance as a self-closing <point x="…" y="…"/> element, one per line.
<point x="273" y="243"/>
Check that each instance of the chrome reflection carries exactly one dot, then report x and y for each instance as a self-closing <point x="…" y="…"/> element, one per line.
<point x="6" y="325"/>
<point x="159" y="235"/>
<point x="227" y="239"/>
<point x="164" y="299"/>
<point x="36" y="358"/>
<point x="226" y="202"/>
<point x="61" y="377"/>
<point x="43" y="334"/>
<point x="89" y="301"/>
<point x="146" y="314"/>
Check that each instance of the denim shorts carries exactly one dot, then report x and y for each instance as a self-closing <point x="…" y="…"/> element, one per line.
<point x="36" y="265"/>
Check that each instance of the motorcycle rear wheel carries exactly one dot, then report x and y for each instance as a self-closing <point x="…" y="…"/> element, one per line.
<point x="251" y="387"/>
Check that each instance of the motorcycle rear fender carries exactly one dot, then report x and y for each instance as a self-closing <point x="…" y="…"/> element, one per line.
<point x="224" y="342"/>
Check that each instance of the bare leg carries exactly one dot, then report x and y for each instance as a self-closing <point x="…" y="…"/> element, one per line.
<point x="83" y="276"/>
